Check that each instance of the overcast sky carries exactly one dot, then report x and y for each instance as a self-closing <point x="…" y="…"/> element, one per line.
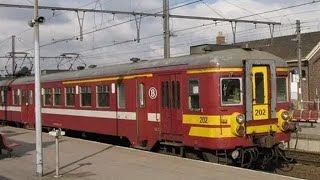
<point x="61" y="25"/>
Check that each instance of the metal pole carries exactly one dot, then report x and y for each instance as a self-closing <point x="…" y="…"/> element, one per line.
<point x="37" y="92"/>
<point x="13" y="55"/>
<point x="300" y="105"/>
<point x="166" y="28"/>
<point x="57" y="157"/>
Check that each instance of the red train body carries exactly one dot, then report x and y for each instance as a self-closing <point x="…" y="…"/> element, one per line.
<point x="223" y="100"/>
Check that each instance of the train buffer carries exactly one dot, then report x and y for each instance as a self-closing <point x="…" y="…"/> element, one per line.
<point x="6" y="145"/>
<point x="305" y="116"/>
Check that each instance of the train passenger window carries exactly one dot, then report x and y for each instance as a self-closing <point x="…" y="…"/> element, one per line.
<point x="30" y="97"/>
<point x="259" y="84"/>
<point x="16" y="97"/>
<point x="24" y="97"/>
<point x="231" y="91"/>
<point x="194" y="98"/>
<point x="85" y="97"/>
<point x="103" y="96"/>
<point x="47" y="97"/>
<point x="57" y="96"/>
<point x="70" y="96"/>
<point x="3" y="96"/>
<point x="282" y="84"/>
<point x="121" y="95"/>
<point x="141" y="95"/>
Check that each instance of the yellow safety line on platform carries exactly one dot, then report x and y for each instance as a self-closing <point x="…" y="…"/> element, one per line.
<point x="107" y="79"/>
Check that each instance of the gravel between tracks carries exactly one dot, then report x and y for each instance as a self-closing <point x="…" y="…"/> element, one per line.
<point x="302" y="171"/>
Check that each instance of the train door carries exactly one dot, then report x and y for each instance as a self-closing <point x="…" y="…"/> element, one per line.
<point x="260" y="90"/>
<point x="170" y="107"/>
<point x="141" y="110"/>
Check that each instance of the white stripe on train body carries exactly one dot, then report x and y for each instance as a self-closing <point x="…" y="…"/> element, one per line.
<point x="154" y="117"/>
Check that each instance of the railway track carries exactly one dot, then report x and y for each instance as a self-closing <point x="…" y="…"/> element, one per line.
<point x="306" y="158"/>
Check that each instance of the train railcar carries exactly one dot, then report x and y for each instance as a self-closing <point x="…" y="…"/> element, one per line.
<point x="230" y="103"/>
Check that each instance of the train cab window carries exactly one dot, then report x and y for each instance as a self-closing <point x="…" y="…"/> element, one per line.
<point x="231" y="89"/>
<point x="16" y="97"/>
<point x="85" y="97"/>
<point x="57" y="96"/>
<point x="70" y="96"/>
<point x="282" y="94"/>
<point x="141" y="95"/>
<point x="194" y="98"/>
<point x="103" y="96"/>
<point x="259" y="88"/>
<point x="121" y="95"/>
<point x="24" y="98"/>
<point x="47" y="97"/>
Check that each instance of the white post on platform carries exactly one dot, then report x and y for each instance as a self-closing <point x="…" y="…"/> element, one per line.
<point x="57" y="134"/>
<point x="37" y="89"/>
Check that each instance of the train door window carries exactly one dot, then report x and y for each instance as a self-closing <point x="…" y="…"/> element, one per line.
<point x="165" y="94"/>
<point x="194" y="95"/>
<point x="103" y="96"/>
<point x="175" y="94"/>
<point x="47" y="97"/>
<point x="85" y="97"/>
<point x="231" y="89"/>
<point x="259" y="84"/>
<point x="24" y="97"/>
<point x="16" y="97"/>
<point x="121" y="95"/>
<point x="57" y="96"/>
<point x="141" y="95"/>
<point x="30" y="97"/>
<point x="282" y="93"/>
<point x="70" y="96"/>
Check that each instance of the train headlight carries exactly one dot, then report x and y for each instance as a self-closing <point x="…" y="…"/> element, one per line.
<point x="240" y="130"/>
<point x="285" y="126"/>
<point x="285" y="115"/>
<point x="240" y="118"/>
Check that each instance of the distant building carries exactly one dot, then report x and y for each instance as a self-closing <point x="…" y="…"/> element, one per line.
<point x="286" y="48"/>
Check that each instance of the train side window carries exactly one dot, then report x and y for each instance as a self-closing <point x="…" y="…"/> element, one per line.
<point x="121" y="96"/>
<point x="141" y="95"/>
<point x="231" y="89"/>
<point x="57" y="96"/>
<point x="282" y="92"/>
<point x="194" y="98"/>
<point x="30" y="97"/>
<point x="47" y="97"/>
<point x="70" y="96"/>
<point x="16" y="97"/>
<point x="103" y="96"/>
<point x="259" y="84"/>
<point x="85" y="97"/>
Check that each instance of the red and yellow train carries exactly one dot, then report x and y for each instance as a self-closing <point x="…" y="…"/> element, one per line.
<point x="233" y="101"/>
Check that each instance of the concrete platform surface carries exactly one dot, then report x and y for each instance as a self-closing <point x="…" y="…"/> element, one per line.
<point x="82" y="159"/>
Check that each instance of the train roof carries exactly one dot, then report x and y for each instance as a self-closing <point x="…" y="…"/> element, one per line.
<point x="223" y="58"/>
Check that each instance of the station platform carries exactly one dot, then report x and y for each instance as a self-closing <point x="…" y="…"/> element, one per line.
<point x="308" y="139"/>
<point x="81" y="159"/>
